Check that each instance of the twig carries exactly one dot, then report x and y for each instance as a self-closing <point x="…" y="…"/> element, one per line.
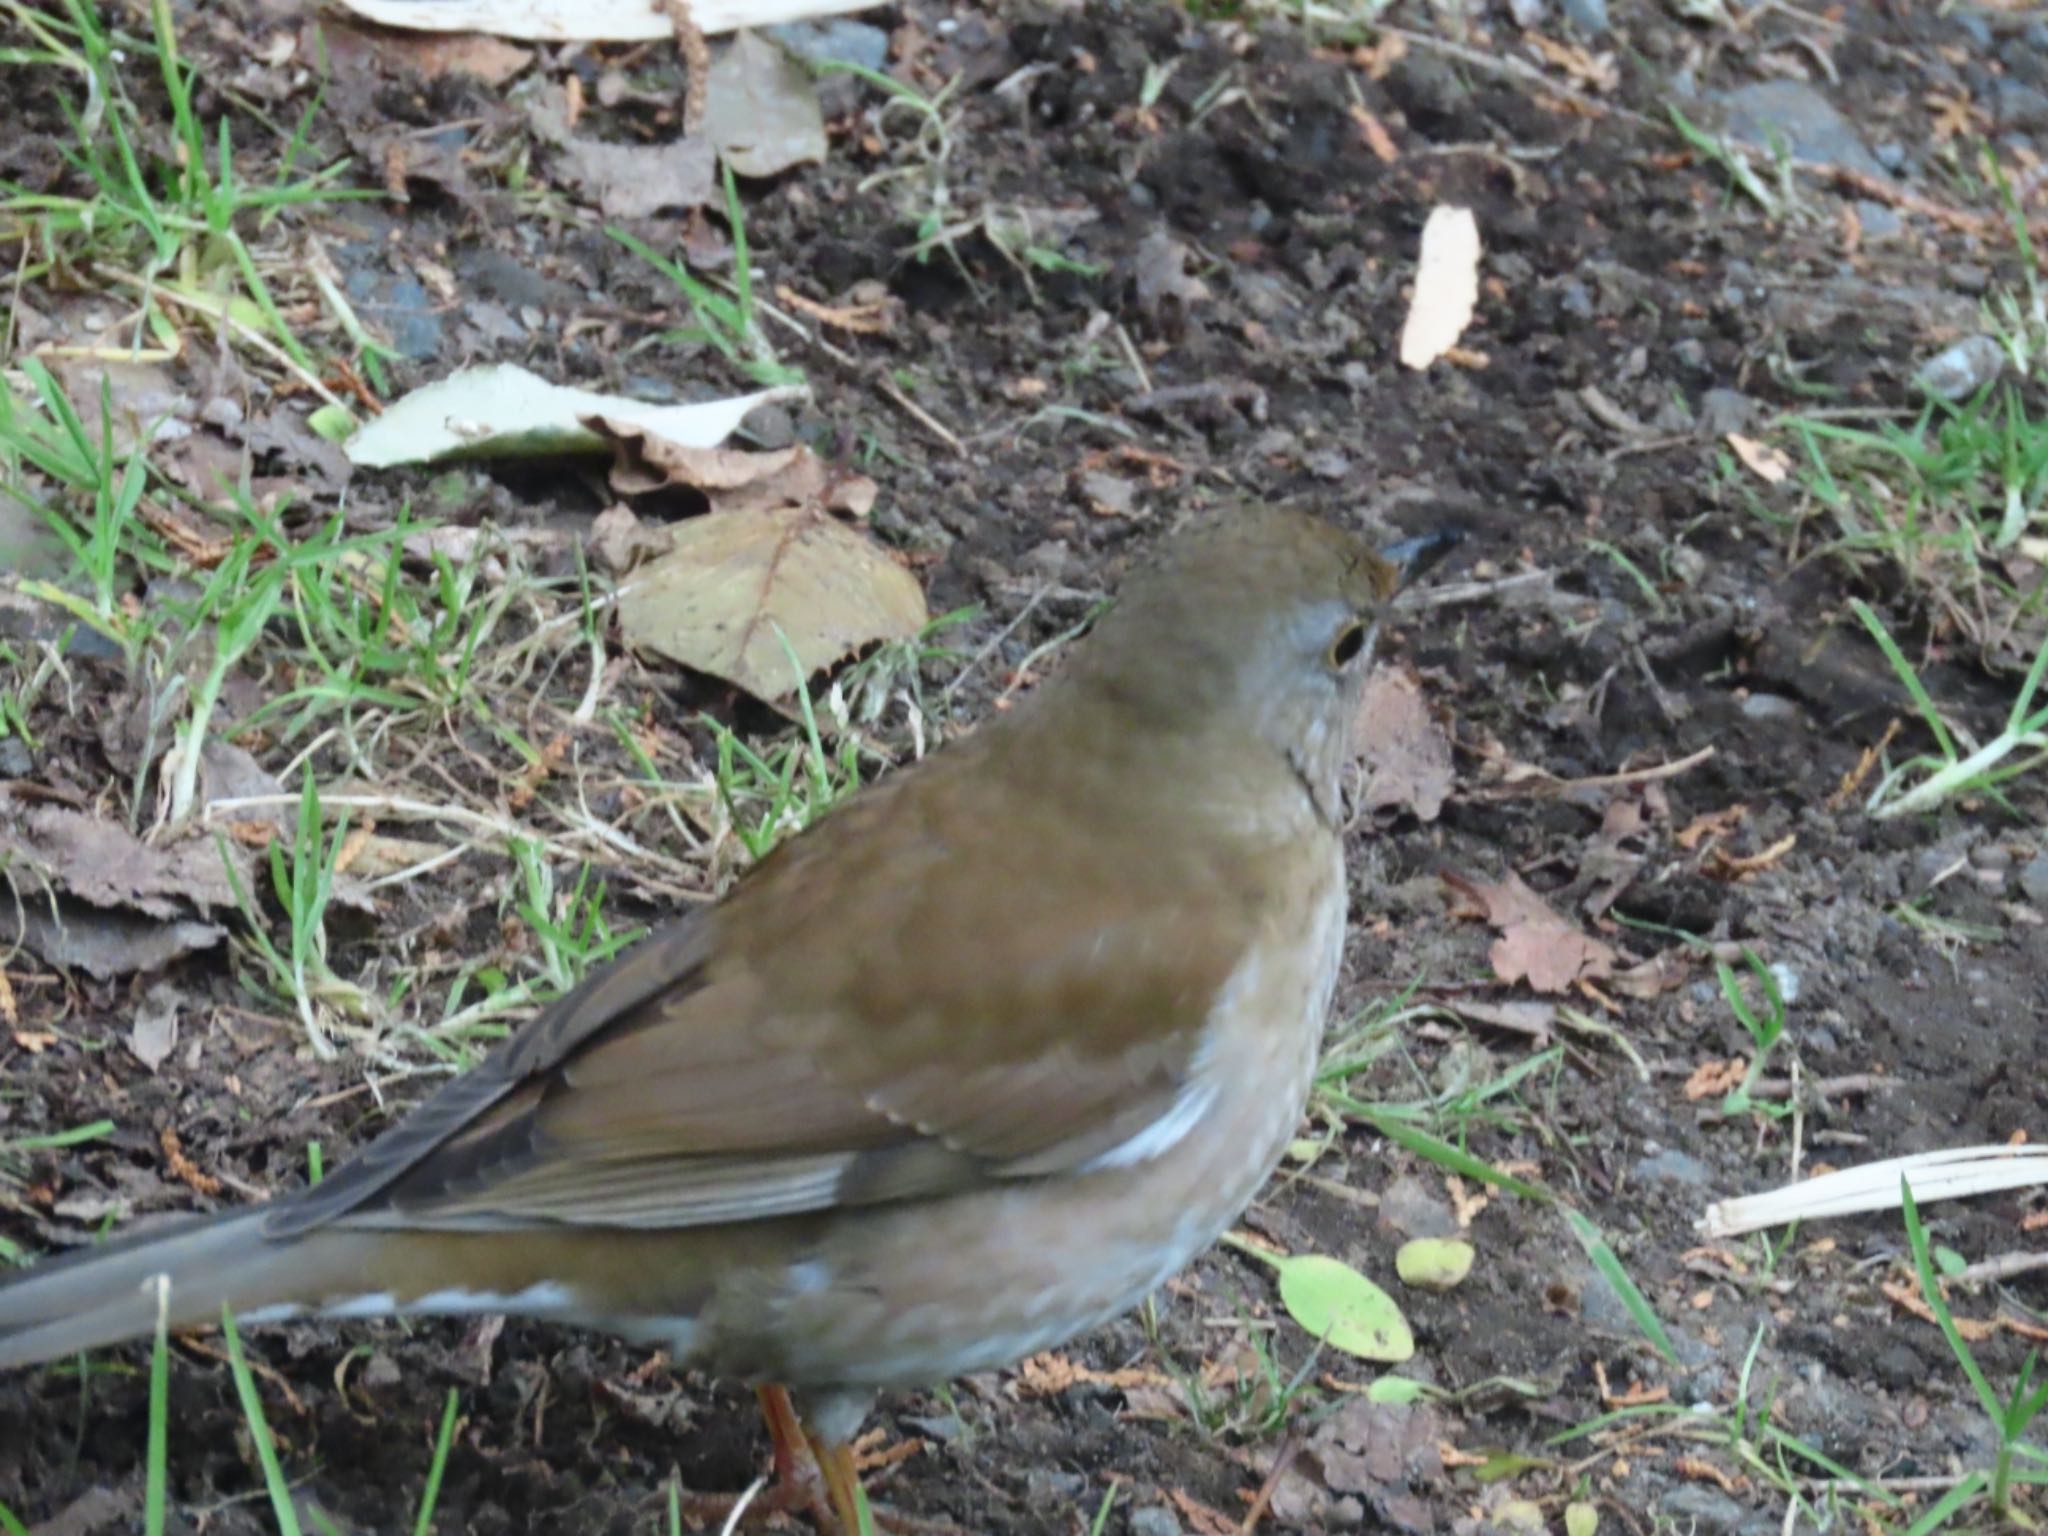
<point x="1528" y="74"/>
<point x="2004" y="1267"/>
<point x="1543" y="785"/>
<point x="1290" y="1446"/>
<point x="1469" y="591"/>
<point x="923" y="417"/>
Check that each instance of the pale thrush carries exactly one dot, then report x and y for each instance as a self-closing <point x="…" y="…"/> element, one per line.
<point x="966" y="1069"/>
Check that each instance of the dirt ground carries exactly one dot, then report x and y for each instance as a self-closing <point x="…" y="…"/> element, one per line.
<point x="1634" y="310"/>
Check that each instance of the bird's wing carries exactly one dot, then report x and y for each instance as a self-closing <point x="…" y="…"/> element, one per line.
<point x="895" y="1005"/>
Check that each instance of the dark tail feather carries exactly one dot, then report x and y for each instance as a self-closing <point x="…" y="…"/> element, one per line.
<point x="108" y="1294"/>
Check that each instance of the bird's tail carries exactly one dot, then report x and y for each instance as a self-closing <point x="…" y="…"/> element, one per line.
<point x="110" y="1293"/>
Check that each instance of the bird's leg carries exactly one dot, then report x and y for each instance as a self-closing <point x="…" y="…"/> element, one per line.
<point x="842" y="1487"/>
<point x="785" y="1437"/>
<point x="796" y="1488"/>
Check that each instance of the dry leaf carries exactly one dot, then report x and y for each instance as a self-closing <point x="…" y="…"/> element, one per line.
<point x="1710" y="824"/>
<point x="1404" y="747"/>
<point x="638" y="181"/>
<point x="154" y="1033"/>
<point x="1535" y="944"/>
<point x="1712" y="1079"/>
<point x="1768" y="464"/>
<point x="767" y="574"/>
<point x="731" y="479"/>
<point x="609" y="21"/>
<point x="760" y="110"/>
<point x="1446" y="286"/>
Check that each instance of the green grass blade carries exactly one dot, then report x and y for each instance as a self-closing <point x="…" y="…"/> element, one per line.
<point x="259" y="1431"/>
<point x="1609" y="1264"/>
<point x="424" y="1525"/>
<point x="156" y="1462"/>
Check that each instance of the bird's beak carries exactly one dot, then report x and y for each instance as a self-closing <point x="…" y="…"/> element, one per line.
<point x="1414" y="558"/>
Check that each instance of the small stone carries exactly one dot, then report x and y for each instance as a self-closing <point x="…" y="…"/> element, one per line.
<point x="1576" y="300"/>
<point x="1974" y="27"/>
<point x="1963" y="369"/>
<point x="1673" y="1166"/>
<point x="1879" y="221"/>
<point x="1786" y="979"/>
<point x="1798" y="114"/>
<point x="1891" y="154"/>
<point x="1708" y="1509"/>
<point x="1409" y="1207"/>
<point x="1587" y="15"/>
<point x="1769" y="706"/>
<point x="2034" y="879"/>
<point x="1899" y="1367"/>
<point x="1154" y="1520"/>
<point x="1528" y="14"/>
<point x="1725" y="410"/>
<point x="1691" y="353"/>
<point x="1993" y="856"/>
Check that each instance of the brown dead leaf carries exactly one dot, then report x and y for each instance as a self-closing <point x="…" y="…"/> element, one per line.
<point x="436" y="56"/>
<point x="1388" y="1455"/>
<point x="183" y="1168"/>
<point x="1711" y="824"/>
<point x="1706" y="1472"/>
<point x="730" y="479"/>
<point x="34" y="1041"/>
<point x="767" y="573"/>
<point x="1723" y="865"/>
<point x="1658" y="974"/>
<point x="1160" y="274"/>
<point x="1524" y="1016"/>
<point x="1374" y="134"/>
<point x="1598" y="72"/>
<point x="638" y="181"/>
<point x="10" y="1011"/>
<point x="1535" y="945"/>
<point x="760" y="108"/>
<point x="1050" y="1373"/>
<point x="619" y="540"/>
<point x="1405" y="749"/>
<point x="1203" y="1520"/>
<point x="867" y="313"/>
<point x="153" y="1034"/>
<point x="98" y="898"/>
<point x="1770" y="465"/>
<point x="1712" y="1079"/>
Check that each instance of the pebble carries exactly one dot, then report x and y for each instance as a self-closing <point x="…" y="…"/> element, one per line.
<point x="1691" y="353"/>
<point x="1154" y="1520"/>
<point x="1587" y="15"/>
<point x="1769" y="706"/>
<point x="1958" y="372"/>
<point x="1725" y="410"/>
<point x="1879" y="221"/>
<point x="1674" y="1166"/>
<point x="1787" y="979"/>
<point x="1708" y="1509"/>
<point x="2034" y="879"/>
<point x="1805" y="119"/>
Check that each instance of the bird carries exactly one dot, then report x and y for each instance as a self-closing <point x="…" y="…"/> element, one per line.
<point x="967" y="1068"/>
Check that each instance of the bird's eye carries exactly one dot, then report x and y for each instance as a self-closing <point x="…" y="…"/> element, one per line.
<point x="1349" y="642"/>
